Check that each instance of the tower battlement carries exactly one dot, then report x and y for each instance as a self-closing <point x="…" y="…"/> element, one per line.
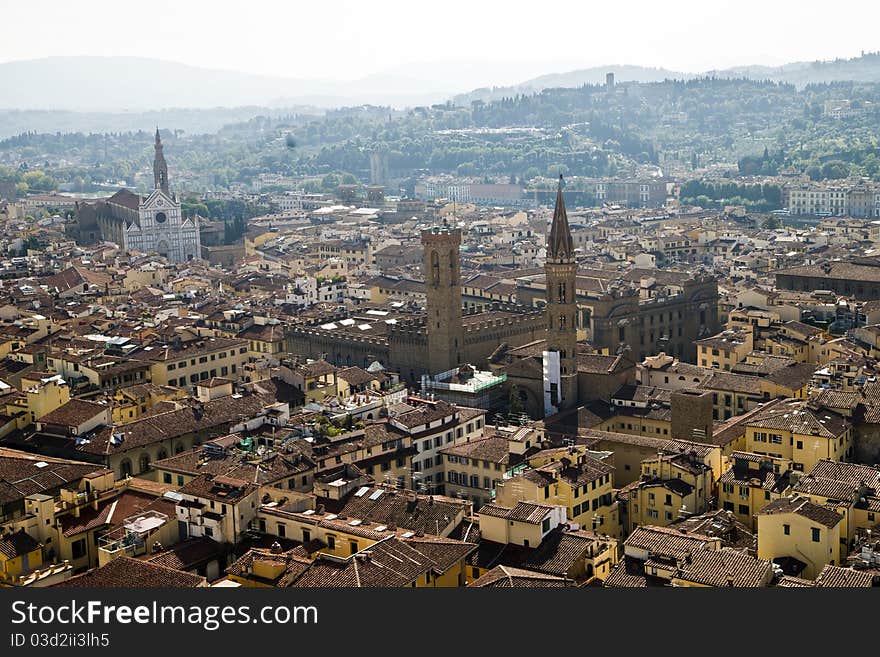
<point x="442" y="268"/>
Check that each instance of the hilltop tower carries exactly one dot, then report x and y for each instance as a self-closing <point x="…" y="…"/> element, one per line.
<point x="560" y="270"/>
<point x="160" y="168"/>
<point x="442" y="268"/>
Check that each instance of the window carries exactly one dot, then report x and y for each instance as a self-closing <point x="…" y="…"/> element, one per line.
<point x="545" y="525"/>
<point x="307" y="536"/>
<point x="166" y="478"/>
<point x="786" y="529"/>
<point x="180" y="480"/>
<point x="282" y="530"/>
<point x="744" y="509"/>
<point x="331" y="542"/>
<point x="815" y="534"/>
<point x="209" y="532"/>
<point x="353" y="546"/>
<point x="78" y="549"/>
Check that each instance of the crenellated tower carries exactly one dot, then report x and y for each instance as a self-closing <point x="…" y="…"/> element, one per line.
<point x="442" y="269"/>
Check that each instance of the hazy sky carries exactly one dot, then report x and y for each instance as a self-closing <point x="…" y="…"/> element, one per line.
<point x="466" y="42"/>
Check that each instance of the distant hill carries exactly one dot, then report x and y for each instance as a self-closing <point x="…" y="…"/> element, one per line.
<point x="137" y="84"/>
<point x="865" y="68"/>
<point x="595" y="75"/>
<point x="188" y="121"/>
<point x="102" y="94"/>
<point x="858" y="69"/>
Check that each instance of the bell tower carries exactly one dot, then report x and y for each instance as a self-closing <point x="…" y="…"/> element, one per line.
<point x="442" y="269"/>
<point x="160" y="168"/>
<point x="560" y="269"/>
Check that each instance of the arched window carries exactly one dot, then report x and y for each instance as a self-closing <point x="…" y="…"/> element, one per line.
<point x="435" y="269"/>
<point x="144" y="463"/>
<point x="178" y="449"/>
<point x="561" y="292"/>
<point x="162" y="454"/>
<point x="453" y="269"/>
<point x="125" y="468"/>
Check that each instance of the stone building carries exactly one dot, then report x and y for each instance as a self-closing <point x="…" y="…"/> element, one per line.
<point x="644" y="311"/>
<point x="426" y="343"/>
<point x="858" y="278"/>
<point x="556" y="373"/>
<point x="152" y="224"/>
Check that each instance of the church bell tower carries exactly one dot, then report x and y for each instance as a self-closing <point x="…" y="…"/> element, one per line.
<point x="560" y="270"/>
<point x="160" y="168"/>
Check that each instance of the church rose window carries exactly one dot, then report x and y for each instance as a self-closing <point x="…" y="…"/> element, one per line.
<point x="160" y="217"/>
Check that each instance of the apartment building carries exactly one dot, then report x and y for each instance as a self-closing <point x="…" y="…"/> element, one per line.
<point x="184" y="364"/>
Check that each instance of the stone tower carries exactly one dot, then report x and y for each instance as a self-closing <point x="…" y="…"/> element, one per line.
<point x="443" y="287"/>
<point x="160" y="168"/>
<point x="561" y="272"/>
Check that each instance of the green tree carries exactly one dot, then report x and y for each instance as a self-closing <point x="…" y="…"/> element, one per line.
<point x="514" y="403"/>
<point x="192" y="206"/>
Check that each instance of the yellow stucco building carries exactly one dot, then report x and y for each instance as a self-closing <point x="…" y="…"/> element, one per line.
<point x="796" y="528"/>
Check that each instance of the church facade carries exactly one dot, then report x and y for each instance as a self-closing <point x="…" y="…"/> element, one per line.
<point x="154" y="224"/>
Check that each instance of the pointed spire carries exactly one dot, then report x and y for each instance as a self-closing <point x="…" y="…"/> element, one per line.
<point x="160" y="168"/>
<point x="560" y="245"/>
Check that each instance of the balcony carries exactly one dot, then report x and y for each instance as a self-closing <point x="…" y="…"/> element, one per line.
<point x="131" y="539"/>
